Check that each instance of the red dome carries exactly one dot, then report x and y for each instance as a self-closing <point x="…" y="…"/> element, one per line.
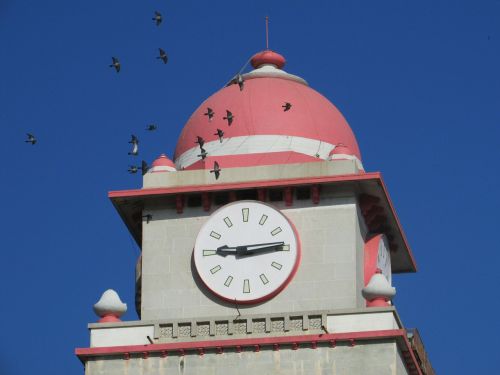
<point x="162" y="164"/>
<point x="262" y="131"/>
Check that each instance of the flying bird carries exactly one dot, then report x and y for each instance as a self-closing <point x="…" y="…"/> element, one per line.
<point x="219" y="134"/>
<point x="133" y="139"/>
<point x="135" y="150"/>
<point x="31" y="139"/>
<point x="200" y="141"/>
<point x="163" y="56"/>
<point x="116" y="64"/>
<point x="286" y="107"/>
<point x="157" y="18"/>
<point x="229" y="117"/>
<point x="144" y="168"/>
<point x="151" y="127"/>
<point x="135" y="145"/>
<point x="210" y="113"/>
<point x="216" y="170"/>
<point x="203" y="154"/>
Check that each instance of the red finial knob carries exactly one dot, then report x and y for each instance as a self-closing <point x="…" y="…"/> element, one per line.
<point x="268" y="57"/>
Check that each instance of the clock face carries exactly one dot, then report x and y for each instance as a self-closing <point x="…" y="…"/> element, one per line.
<point x="384" y="259"/>
<point x="247" y="251"/>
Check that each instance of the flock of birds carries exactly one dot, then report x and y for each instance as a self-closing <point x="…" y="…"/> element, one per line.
<point x="229" y="118"/>
<point x="158" y="19"/>
<point x="134" y="141"/>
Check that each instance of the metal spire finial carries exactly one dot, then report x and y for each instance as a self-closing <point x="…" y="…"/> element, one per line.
<point x="267" y="32"/>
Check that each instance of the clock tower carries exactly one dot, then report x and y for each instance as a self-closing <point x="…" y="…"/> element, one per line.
<point x="266" y="248"/>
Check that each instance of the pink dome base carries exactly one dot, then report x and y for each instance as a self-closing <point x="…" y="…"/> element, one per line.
<point x="234" y="161"/>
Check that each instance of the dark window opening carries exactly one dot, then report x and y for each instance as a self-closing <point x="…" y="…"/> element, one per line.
<point x="303" y="193"/>
<point x="221" y="198"/>
<point x="246" y="194"/>
<point x="194" y="200"/>
<point x="275" y="195"/>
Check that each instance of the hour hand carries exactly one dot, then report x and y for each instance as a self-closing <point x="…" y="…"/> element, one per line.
<point x="226" y="250"/>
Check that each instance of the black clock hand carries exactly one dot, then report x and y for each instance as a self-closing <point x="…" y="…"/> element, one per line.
<point x="226" y="250"/>
<point x="247" y="249"/>
<point x="268" y="244"/>
<point x="260" y="249"/>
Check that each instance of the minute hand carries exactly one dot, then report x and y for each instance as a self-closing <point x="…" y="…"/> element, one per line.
<point x="262" y="248"/>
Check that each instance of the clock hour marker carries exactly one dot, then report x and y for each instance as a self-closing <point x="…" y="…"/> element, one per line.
<point x="285" y="248"/>
<point x="207" y="253"/>
<point x="263" y="278"/>
<point x="263" y="219"/>
<point x="275" y="231"/>
<point x="229" y="280"/>
<point x="216" y="269"/>
<point x="245" y="212"/>
<point x="246" y="286"/>
<point x="215" y="235"/>
<point x="228" y="222"/>
<point x="276" y="265"/>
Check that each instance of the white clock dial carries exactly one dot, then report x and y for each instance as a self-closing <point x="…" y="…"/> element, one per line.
<point x="246" y="251"/>
<point x="384" y="259"/>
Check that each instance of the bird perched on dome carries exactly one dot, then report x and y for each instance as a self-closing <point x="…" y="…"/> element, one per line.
<point x="157" y="18"/>
<point x="31" y="139"/>
<point x="200" y="141"/>
<point x="238" y="79"/>
<point x="203" y="154"/>
<point x="163" y="56"/>
<point x="219" y="134"/>
<point x="210" y="113"/>
<point x="286" y="107"/>
<point x="135" y="145"/>
<point x="116" y="64"/>
<point x="151" y="127"/>
<point x="229" y="117"/>
<point x="216" y="170"/>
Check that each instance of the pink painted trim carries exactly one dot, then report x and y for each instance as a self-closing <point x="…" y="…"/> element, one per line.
<point x="371" y="252"/>
<point x="109" y="318"/>
<point x="242" y="185"/>
<point x="240" y="344"/>
<point x="377" y="302"/>
<point x="244" y="342"/>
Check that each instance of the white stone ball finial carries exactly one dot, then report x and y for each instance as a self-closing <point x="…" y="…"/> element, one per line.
<point x="109" y="307"/>
<point x="378" y="291"/>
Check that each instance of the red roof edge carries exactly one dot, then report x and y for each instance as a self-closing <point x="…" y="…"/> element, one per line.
<point x="254" y="344"/>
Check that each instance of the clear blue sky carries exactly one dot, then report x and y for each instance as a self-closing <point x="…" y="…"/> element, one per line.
<point x="418" y="81"/>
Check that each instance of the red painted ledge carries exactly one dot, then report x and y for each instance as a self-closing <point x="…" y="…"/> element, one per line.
<point x="249" y="344"/>
<point x="148" y="192"/>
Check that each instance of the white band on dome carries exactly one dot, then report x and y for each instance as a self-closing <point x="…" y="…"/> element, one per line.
<point x="347" y="157"/>
<point x="258" y="144"/>
<point x="162" y="168"/>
